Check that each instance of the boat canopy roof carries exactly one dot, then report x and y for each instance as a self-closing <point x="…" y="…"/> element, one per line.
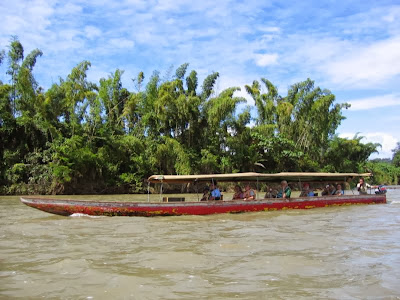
<point x="251" y="176"/>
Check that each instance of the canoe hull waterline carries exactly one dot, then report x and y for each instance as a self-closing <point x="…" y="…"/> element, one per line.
<point x="149" y="209"/>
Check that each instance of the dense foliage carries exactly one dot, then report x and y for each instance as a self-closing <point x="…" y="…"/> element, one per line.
<point x="386" y="171"/>
<point x="84" y="137"/>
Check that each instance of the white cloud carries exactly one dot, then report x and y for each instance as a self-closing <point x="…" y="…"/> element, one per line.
<point x="92" y="32"/>
<point x="269" y="28"/>
<point x="68" y="34"/>
<point x="378" y="19"/>
<point x="67" y="39"/>
<point x="264" y="60"/>
<point x="375" y="102"/>
<point x="122" y="43"/>
<point x="344" y="63"/>
<point x="13" y="24"/>
<point x="136" y="3"/>
<point x="387" y="141"/>
<point x="70" y="9"/>
<point x="359" y="50"/>
<point x="389" y="18"/>
<point x="21" y="17"/>
<point x="170" y="5"/>
<point x="366" y="65"/>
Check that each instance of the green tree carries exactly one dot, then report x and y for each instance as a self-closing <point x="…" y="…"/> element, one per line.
<point x="348" y="155"/>
<point x="266" y="103"/>
<point x="78" y="136"/>
<point x="241" y="153"/>
<point x="384" y="172"/>
<point x="310" y="117"/>
<point x="113" y="97"/>
<point x="396" y="155"/>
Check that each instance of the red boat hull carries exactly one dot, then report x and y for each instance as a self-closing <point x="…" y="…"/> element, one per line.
<point x="148" y="209"/>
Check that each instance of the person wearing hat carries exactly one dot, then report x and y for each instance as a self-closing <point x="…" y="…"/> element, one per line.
<point x="306" y="192"/>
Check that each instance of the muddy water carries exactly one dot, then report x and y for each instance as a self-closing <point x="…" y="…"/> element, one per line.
<point x="338" y="253"/>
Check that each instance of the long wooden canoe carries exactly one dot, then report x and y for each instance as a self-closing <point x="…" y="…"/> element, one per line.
<point x="99" y="208"/>
<point x="102" y="208"/>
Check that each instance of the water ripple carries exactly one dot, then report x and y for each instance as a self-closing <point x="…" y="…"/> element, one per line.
<point x="337" y="253"/>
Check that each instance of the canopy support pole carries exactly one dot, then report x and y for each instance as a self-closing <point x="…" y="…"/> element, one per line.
<point x="352" y="190"/>
<point x="161" y="191"/>
<point x="148" y="191"/>
<point x="300" y="187"/>
<point x="197" y="190"/>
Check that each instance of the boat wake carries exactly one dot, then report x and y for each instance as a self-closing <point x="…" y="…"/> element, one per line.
<point x="79" y="215"/>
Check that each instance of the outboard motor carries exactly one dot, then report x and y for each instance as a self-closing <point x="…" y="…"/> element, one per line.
<point x="381" y="189"/>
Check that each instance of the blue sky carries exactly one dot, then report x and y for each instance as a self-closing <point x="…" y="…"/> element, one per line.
<point x="349" y="47"/>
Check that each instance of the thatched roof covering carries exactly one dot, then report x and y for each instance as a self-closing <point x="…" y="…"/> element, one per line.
<point x="251" y="176"/>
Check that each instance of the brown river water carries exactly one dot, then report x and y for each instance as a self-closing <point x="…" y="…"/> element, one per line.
<point x="348" y="252"/>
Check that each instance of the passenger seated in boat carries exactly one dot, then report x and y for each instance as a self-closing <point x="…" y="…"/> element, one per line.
<point x="325" y="191"/>
<point x="306" y="192"/>
<point x="332" y="189"/>
<point x="270" y="193"/>
<point x="206" y="194"/>
<point x="285" y="191"/>
<point x="215" y="192"/>
<point x="329" y="190"/>
<point x="249" y="193"/>
<point x="362" y="187"/>
<point x="339" y="191"/>
<point x="238" y="193"/>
